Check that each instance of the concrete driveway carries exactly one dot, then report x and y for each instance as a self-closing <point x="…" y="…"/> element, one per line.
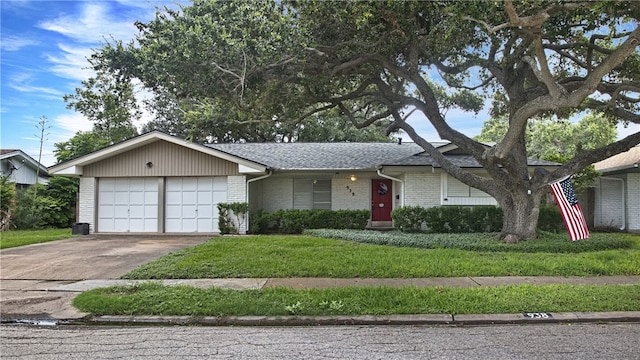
<point x="28" y="272"/>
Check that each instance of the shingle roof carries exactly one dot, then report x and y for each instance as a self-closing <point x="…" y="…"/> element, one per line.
<point x="626" y="159"/>
<point x="343" y="156"/>
<point x="319" y="156"/>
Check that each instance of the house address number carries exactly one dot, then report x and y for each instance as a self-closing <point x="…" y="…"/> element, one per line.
<point x="537" y="315"/>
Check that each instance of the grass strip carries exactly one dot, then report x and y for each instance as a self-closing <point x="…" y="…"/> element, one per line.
<point x="9" y="239"/>
<point x="155" y="299"/>
<point x="306" y="256"/>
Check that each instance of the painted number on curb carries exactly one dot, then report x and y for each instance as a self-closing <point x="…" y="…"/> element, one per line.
<point x="537" y="315"/>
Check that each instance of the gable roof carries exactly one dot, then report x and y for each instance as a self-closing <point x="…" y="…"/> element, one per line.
<point x="74" y="167"/>
<point x="627" y="160"/>
<point x="15" y="155"/>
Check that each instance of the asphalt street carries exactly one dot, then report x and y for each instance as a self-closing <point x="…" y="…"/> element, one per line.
<point x="549" y="341"/>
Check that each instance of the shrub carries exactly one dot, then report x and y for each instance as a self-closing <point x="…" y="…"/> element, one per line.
<point x="461" y="219"/>
<point x="296" y="221"/>
<point x="231" y="217"/>
<point x="41" y="211"/>
<point x="7" y="202"/>
<point x="550" y="219"/>
<point x="409" y="218"/>
<point x="448" y="219"/>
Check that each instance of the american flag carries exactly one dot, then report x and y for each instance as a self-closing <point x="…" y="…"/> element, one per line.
<point x="570" y="209"/>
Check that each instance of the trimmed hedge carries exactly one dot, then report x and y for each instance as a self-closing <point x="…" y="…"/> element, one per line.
<point x="461" y="219"/>
<point x="296" y="221"/>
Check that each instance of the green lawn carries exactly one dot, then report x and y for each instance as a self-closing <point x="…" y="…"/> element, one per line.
<point x="9" y="239"/>
<point x="154" y="299"/>
<point x="416" y="255"/>
<point x="307" y="256"/>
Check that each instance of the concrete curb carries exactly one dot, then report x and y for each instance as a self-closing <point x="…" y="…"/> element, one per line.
<point x="425" y="319"/>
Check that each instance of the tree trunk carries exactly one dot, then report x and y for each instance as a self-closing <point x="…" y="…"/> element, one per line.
<point x="520" y="217"/>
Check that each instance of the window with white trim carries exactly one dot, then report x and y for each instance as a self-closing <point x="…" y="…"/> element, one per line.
<point x="311" y="194"/>
<point x="455" y="192"/>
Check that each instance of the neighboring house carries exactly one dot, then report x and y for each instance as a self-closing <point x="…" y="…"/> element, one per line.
<point x="617" y="192"/>
<point x="159" y="183"/>
<point x="21" y="168"/>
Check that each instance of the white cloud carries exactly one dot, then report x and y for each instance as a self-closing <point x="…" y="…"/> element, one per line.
<point x="22" y="82"/>
<point x="92" y="25"/>
<point x="15" y="43"/>
<point x="72" y="123"/>
<point x="71" y="63"/>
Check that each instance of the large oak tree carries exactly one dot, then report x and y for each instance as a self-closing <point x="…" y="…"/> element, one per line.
<point x="286" y="61"/>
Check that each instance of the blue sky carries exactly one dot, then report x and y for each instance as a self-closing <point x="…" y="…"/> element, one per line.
<point x="44" y="46"/>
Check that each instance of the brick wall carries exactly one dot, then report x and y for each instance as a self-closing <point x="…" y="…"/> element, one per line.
<point x="277" y="193"/>
<point x="87" y="202"/>
<point x="351" y="195"/>
<point x="422" y="189"/>
<point x="633" y="202"/>
<point x="236" y="192"/>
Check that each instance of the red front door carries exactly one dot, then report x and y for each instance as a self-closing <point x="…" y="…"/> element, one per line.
<point x="381" y="200"/>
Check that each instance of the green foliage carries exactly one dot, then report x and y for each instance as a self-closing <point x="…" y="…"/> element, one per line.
<point x="7" y="202"/>
<point x="486" y="242"/>
<point x="37" y="210"/>
<point x="409" y="218"/>
<point x="296" y="221"/>
<point x="448" y="219"/>
<point x="550" y="219"/>
<point x="231" y="216"/>
<point x="551" y="137"/>
<point x="234" y="63"/>
<point x="461" y="219"/>
<point x="41" y="206"/>
<point x="63" y="189"/>
<point x="82" y="143"/>
<point x="108" y="100"/>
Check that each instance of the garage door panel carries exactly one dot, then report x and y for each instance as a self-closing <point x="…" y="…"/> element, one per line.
<point x="195" y="209"/>
<point x="205" y="197"/>
<point x="128" y="205"/>
<point x="205" y="211"/>
<point x="121" y="198"/>
<point x="206" y="225"/>
<point x="136" y="211"/>
<point x="189" y="198"/>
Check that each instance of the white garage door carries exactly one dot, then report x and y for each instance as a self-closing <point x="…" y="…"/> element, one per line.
<point x="192" y="203"/>
<point x="128" y="205"/>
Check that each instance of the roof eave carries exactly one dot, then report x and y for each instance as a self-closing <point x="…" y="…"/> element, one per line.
<point x="143" y="140"/>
